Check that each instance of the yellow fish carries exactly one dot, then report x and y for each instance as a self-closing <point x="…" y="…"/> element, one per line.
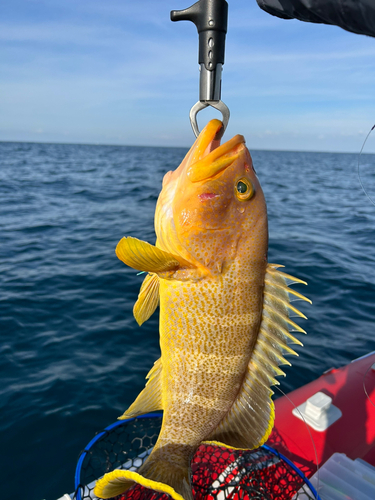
<point x="224" y="322"/>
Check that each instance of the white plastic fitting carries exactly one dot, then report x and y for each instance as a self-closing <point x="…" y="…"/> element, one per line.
<point x="318" y="412"/>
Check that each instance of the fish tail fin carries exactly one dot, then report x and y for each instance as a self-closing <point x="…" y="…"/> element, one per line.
<point x="169" y="474"/>
<point x="158" y="474"/>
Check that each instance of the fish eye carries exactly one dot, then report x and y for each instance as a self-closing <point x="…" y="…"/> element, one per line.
<point x="244" y="189"/>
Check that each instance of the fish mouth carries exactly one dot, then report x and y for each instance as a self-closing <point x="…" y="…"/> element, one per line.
<point x="209" y="158"/>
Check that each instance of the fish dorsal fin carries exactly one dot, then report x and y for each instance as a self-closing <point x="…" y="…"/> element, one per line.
<point x="143" y="256"/>
<point x="148" y="299"/>
<point x="150" y="398"/>
<point x="250" y="420"/>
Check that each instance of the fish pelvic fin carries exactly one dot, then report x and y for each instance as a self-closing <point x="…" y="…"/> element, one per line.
<point x="250" y="420"/>
<point x="157" y="474"/>
<point x="143" y="256"/>
<point x="148" y="299"/>
<point x="150" y="399"/>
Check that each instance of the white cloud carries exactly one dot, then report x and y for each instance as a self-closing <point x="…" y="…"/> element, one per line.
<point x="94" y="70"/>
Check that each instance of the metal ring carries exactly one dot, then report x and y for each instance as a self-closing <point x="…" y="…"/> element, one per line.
<point x="219" y="105"/>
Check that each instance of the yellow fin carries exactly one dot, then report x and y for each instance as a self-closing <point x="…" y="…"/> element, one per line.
<point x="277" y="330"/>
<point x="222" y="445"/>
<point x="148" y="299"/>
<point x="284" y="287"/>
<point x="272" y="269"/>
<point x="274" y="350"/>
<point x="266" y="361"/>
<point x="117" y="482"/>
<point x="164" y="471"/>
<point x="150" y="398"/>
<point x="143" y="256"/>
<point x="278" y="342"/>
<point x="283" y="302"/>
<point x="250" y="419"/>
<point x="274" y="313"/>
<point x="276" y="305"/>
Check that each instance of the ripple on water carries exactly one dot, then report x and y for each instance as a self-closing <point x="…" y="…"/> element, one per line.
<point x="72" y="355"/>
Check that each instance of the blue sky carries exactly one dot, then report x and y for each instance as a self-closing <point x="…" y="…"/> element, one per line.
<point x="120" y="72"/>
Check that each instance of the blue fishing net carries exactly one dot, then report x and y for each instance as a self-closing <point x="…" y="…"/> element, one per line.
<point x="217" y="473"/>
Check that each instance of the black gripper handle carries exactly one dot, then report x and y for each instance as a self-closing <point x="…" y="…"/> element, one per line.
<point x="211" y="19"/>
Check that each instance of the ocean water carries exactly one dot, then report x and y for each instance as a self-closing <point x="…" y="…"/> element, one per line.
<point x="72" y="356"/>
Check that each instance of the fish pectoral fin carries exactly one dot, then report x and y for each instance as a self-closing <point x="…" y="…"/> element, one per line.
<point x="143" y="256"/>
<point x="148" y="299"/>
<point x="250" y="419"/>
<point x="150" y="398"/>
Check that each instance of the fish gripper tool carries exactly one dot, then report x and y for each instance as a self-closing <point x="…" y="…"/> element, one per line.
<point x="211" y="19"/>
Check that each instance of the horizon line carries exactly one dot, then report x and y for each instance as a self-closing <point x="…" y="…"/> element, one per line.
<point x="181" y="147"/>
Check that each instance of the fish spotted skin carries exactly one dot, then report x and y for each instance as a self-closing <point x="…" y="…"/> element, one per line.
<point x="221" y="344"/>
<point x="208" y="326"/>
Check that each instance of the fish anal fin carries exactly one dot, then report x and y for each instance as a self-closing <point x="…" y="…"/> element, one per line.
<point x="148" y="299"/>
<point x="143" y="256"/>
<point x="150" y="399"/>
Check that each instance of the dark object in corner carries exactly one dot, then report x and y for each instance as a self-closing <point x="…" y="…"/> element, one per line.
<point x="357" y="16"/>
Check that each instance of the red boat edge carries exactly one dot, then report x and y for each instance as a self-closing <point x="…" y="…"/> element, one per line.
<point x="344" y="399"/>
<point x="352" y="390"/>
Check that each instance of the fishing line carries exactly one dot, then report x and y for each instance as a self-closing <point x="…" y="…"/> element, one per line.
<point x="364" y="385"/>
<point x="372" y="201"/>
<point x="359" y="175"/>
<point x="308" y="430"/>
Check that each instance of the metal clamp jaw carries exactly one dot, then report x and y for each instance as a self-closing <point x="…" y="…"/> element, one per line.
<point x="211" y="20"/>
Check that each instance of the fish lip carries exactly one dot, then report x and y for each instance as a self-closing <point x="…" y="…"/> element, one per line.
<point x="217" y="160"/>
<point x="232" y="145"/>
